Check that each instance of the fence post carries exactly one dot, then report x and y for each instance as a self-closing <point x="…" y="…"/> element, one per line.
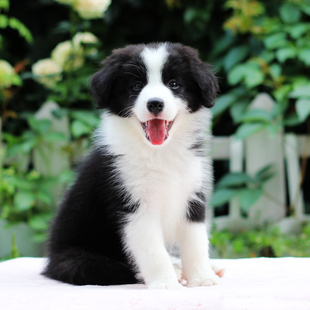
<point x="50" y="159"/>
<point x="293" y="171"/>
<point x="236" y="165"/>
<point x="262" y="149"/>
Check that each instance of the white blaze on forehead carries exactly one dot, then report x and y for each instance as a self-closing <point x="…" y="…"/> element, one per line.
<point x="154" y="60"/>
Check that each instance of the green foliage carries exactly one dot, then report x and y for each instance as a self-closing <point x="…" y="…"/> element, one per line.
<point x="277" y="64"/>
<point x="14" y="250"/>
<point x="265" y="241"/>
<point x="255" y="47"/>
<point x="28" y="198"/>
<point x="247" y="188"/>
<point x="13" y="23"/>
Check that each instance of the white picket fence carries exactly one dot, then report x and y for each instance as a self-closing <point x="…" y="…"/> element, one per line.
<point x="284" y="152"/>
<point x="259" y="150"/>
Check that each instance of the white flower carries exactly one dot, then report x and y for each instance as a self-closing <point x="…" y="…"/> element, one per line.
<point x="67" y="56"/>
<point x="8" y="75"/>
<point x="6" y="72"/>
<point x="84" y="37"/>
<point x="47" y="72"/>
<point x="89" y="9"/>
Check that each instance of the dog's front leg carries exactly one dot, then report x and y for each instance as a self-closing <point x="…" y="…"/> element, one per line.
<point x="194" y="246"/>
<point x="144" y="241"/>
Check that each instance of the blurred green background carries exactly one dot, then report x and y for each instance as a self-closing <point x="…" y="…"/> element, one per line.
<point x="50" y="48"/>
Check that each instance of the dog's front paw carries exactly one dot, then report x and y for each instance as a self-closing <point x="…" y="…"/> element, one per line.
<point x="207" y="279"/>
<point x="165" y="286"/>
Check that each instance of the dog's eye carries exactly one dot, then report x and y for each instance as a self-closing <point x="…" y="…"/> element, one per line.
<point x="138" y="86"/>
<point x="173" y="84"/>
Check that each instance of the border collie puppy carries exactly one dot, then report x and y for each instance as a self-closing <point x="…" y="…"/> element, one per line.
<point x="147" y="181"/>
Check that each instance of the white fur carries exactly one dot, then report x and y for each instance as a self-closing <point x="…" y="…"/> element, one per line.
<point x="162" y="179"/>
<point x="154" y="61"/>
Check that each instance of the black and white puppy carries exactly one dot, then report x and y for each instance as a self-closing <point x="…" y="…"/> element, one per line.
<point x="147" y="181"/>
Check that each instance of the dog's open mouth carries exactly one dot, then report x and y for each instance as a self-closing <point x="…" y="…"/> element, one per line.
<point x="157" y="130"/>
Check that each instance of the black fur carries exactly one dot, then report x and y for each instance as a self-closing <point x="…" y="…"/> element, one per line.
<point x="112" y="86"/>
<point x="197" y="208"/>
<point x="85" y="244"/>
<point x="198" y="82"/>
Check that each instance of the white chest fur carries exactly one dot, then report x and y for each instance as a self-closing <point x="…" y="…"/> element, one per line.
<point x="161" y="179"/>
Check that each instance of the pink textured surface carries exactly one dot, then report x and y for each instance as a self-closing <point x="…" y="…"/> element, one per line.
<point x="256" y="283"/>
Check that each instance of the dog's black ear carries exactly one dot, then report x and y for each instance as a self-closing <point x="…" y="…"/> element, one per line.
<point x="204" y="77"/>
<point x="102" y="81"/>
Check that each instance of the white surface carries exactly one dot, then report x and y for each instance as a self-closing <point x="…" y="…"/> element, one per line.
<point x="256" y="283"/>
<point x="262" y="149"/>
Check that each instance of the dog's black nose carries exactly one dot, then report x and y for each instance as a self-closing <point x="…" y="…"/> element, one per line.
<point x="155" y="105"/>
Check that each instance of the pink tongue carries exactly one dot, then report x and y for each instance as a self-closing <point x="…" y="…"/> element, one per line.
<point x="156" y="130"/>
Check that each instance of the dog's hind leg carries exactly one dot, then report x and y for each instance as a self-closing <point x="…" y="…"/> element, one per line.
<point x="79" y="267"/>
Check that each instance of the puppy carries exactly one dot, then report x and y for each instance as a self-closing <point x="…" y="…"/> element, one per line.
<point x="147" y="181"/>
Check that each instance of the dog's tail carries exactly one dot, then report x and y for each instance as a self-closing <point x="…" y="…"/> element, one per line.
<point x="79" y="267"/>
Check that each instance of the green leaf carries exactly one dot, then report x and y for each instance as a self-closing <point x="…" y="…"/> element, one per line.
<point x="16" y="80"/>
<point x="265" y="173"/>
<point x="55" y="136"/>
<point x="221" y="196"/>
<point x="289" y="13"/>
<point x="23" y="200"/>
<point x="274" y="128"/>
<point x="24" y="147"/>
<point x="238" y="109"/>
<point x="21" y="184"/>
<point x="28" y="145"/>
<point x="4" y="21"/>
<point x="40" y="222"/>
<point x="40" y="126"/>
<point x="268" y="56"/>
<point x="254" y="77"/>
<point x="298" y="30"/>
<point x="79" y="129"/>
<point x="238" y="245"/>
<point x="275" y="71"/>
<point x="305" y="7"/>
<point x="249" y="72"/>
<point x="303" y="108"/>
<point x="235" y="55"/>
<point x="281" y="93"/>
<point x="285" y="53"/>
<point x="248" y="129"/>
<point x="235" y="75"/>
<point x="256" y="115"/>
<point x="21" y="28"/>
<point x="4" y="4"/>
<point x="300" y="91"/>
<point x="223" y="43"/>
<point x="44" y="197"/>
<point x="223" y="103"/>
<point x="89" y="118"/>
<point x="234" y="179"/>
<point x="60" y="113"/>
<point x="276" y="40"/>
<point x="304" y="55"/>
<point x="248" y="197"/>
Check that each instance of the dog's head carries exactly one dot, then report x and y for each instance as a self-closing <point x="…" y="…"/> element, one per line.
<point x="154" y="83"/>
